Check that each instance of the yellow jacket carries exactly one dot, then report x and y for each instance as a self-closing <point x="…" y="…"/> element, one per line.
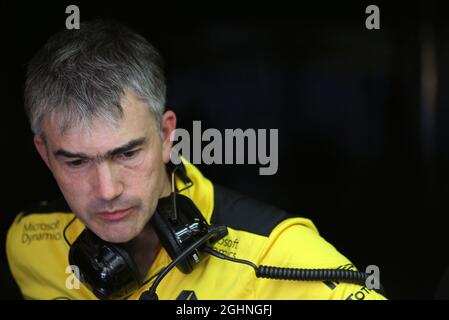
<point x="38" y="253"/>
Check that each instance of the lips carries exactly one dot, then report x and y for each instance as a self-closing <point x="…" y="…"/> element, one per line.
<point x="114" y="215"/>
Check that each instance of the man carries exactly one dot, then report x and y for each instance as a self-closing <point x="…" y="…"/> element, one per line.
<point x="95" y="98"/>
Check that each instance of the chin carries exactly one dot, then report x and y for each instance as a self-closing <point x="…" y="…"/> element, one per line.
<point x="116" y="234"/>
<point x="118" y="238"/>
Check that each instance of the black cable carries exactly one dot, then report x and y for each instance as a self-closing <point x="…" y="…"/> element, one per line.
<point x="151" y="293"/>
<point x="224" y="257"/>
<point x="151" y="278"/>
<point x="311" y="274"/>
<point x="174" y="214"/>
<point x="298" y="274"/>
<point x="188" y="186"/>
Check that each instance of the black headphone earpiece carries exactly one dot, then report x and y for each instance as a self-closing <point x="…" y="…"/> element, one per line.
<point x="177" y="234"/>
<point x="105" y="268"/>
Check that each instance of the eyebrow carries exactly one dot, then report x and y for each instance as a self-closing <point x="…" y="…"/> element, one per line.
<point x="124" y="148"/>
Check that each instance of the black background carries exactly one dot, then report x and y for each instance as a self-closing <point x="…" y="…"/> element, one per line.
<point x="353" y="153"/>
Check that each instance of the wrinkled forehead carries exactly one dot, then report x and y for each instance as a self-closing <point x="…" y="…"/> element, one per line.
<point x="136" y="120"/>
<point x="56" y="125"/>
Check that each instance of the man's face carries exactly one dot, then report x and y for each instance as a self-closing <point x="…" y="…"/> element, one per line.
<point x="111" y="177"/>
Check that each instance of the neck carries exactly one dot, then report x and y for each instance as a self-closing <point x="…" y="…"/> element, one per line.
<point x="144" y="248"/>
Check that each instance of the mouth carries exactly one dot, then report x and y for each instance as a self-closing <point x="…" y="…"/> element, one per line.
<point x="116" y="215"/>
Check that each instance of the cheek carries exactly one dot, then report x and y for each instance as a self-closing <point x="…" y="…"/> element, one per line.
<point x="76" y="193"/>
<point x="70" y="185"/>
<point x="145" y="179"/>
<point x="73" y="185"/>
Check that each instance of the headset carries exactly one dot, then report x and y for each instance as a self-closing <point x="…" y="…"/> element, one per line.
<point x="108" y="270"/>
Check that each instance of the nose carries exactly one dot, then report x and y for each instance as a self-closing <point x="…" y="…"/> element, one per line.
<point x="107" y="183"/>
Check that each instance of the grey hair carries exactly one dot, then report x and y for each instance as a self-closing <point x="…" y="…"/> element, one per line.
<point x="80" y="75"/>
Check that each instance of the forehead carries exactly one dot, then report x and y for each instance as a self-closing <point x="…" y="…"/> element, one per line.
<point x="98" y="134"/>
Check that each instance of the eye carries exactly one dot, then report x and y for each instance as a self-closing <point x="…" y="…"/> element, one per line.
<point x="76" y="163"/>
<point x="129" y="154"/>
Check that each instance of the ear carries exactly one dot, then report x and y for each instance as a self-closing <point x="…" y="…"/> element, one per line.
<point x="168" y="126"/>
<point x="39" y="143"/>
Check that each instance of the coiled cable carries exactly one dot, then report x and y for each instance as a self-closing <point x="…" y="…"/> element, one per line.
<point x="298" y="274"/>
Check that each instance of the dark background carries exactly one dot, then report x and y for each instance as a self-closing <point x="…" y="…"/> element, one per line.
<point x="362" y="149"/>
